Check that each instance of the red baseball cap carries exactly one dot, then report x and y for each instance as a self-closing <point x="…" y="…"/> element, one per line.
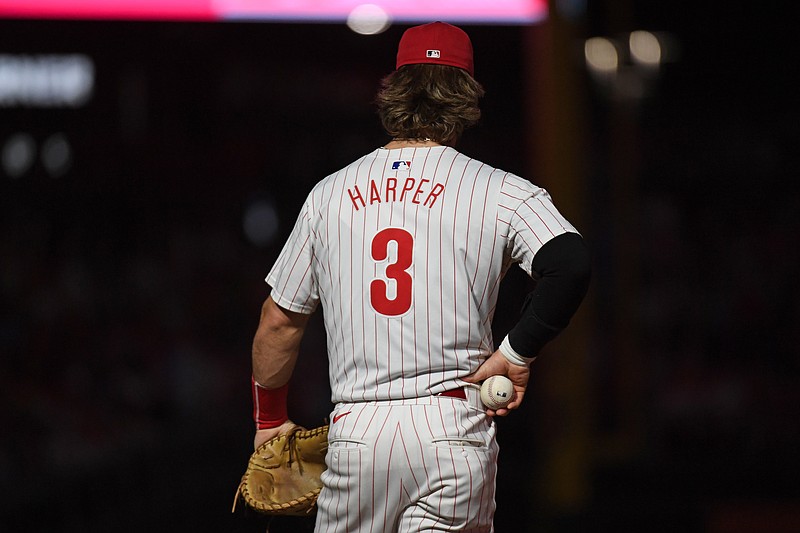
<point x="438" y="43"/>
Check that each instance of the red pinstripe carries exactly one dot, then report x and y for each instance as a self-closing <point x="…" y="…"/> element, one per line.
<point x="377" y="438"/>
<point x="340" y="311"/>
<point x="438" y="463"/>
<point x="547" y="208"/>
<point x="305" y="272"/>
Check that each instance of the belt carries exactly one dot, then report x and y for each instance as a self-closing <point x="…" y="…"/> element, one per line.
<point x="454" y="393"/>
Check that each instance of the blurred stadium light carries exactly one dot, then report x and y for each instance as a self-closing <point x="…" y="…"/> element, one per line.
<point x="625" y="68"/>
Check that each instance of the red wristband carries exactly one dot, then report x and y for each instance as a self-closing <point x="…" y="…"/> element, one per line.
<point x="269" y="406"/>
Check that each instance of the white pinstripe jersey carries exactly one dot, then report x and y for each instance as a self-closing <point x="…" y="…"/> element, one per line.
<point x="405" y="249"/>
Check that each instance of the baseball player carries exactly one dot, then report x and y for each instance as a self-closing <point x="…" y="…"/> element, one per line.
<point x="405" y="249"/>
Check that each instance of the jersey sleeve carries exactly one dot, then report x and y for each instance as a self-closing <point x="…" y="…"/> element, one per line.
<point x="294" y="286"/>
<point x="534" y="220"/>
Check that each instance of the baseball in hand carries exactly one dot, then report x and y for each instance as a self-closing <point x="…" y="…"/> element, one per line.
<point x="497" y="392"/>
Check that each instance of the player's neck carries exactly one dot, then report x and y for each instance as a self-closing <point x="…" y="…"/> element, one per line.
<point x="410" y="143"/>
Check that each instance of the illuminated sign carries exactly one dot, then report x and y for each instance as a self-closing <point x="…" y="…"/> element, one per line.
<point x="45" y="80"/>
<point x="497" y="11"/>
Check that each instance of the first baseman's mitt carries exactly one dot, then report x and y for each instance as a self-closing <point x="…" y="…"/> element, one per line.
<point x="283" y="474"/>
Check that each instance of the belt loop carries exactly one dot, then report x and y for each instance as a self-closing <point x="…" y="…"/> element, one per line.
<point x="473" y="393"/>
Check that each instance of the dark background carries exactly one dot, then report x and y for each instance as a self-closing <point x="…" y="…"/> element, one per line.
<point x="129" y="291"/>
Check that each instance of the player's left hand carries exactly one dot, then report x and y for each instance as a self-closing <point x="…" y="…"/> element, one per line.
<point x="497" y="364"/>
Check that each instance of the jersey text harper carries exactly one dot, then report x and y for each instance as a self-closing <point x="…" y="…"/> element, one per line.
<point x="411" y="189"/>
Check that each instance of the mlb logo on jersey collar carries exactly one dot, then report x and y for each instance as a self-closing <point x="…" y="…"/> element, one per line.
<point x="401" y="165"/>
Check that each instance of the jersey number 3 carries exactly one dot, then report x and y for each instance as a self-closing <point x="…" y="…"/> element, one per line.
<point x="396" y="271"/>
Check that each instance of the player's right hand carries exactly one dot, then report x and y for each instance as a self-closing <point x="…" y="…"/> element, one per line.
<point x="497" y="364"/>
<point x="263" y="435"/>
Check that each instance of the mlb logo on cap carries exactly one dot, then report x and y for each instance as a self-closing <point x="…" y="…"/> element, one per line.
<point x="433" y="53"/>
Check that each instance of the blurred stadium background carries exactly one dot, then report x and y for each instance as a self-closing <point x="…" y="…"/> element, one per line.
<point x="150" y="170"/>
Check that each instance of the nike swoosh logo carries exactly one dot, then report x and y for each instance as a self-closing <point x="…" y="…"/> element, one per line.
<point x="339" y="416"/>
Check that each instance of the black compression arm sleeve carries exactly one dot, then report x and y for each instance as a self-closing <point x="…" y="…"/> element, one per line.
<point x="563" y="267"/>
